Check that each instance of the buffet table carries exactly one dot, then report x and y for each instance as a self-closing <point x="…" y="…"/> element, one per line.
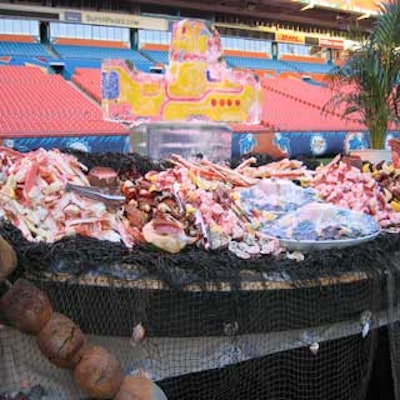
<point x="250" y="329"/>
<point x="202" y="323"/>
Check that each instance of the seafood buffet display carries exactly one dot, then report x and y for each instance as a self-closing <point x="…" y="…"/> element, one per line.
<point x="48" y="195"/>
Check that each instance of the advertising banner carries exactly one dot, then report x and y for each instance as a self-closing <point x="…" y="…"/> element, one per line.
<point x="120" y="20"/>
<point x="332" y="43"/>
<point x="290" y="37"/>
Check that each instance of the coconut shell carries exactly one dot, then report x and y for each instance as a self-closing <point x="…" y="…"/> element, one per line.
<point x="26" y="307"/>
<point x="8" y="259"/>
<point x="61" y="341"/>
<point x="98" y="373"/>
<point x="139" y="388"/>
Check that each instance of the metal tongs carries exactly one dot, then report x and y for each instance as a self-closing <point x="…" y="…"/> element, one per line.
<point x="96" y="193"/>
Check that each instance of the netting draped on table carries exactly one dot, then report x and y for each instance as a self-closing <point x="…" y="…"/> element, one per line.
<point x="208" y="325"/>
<point x="393" y="293"/>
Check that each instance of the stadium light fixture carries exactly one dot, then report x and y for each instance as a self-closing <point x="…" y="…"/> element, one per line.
<point x="307" y="7"/>
<point x="364" y="16"/>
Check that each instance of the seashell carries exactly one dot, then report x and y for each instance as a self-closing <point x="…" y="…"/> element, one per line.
<point x="250" y="240"/>
<point x="166" y="235"/>
<point x="243" y="255"/>
<point x="365" y="329"/>
<point x="254" y="249"/>
<point x="243" y="246"/>
<point x="366" y="322"/>
<point x="138" y="334"/>
<point x="314" y="347"/>
<point x="231" y="328"/>
<point x="296" y="255"/>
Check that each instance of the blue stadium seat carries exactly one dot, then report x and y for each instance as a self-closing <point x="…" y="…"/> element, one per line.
<point x="22" y="49"/>
<point x="304" y="67"/>
<point x="255" y="63"/>
<point x="157" y="56"/>
<point x="97" y="53"/>
<point x="277" y="65"/>
<point x="72" y="64"/>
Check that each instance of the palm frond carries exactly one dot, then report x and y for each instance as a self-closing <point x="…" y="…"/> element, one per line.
<point x="386" y="32"/>
<point x="366" y="84"/>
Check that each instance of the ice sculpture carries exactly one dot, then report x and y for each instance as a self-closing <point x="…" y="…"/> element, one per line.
<point x="197" y="84"/>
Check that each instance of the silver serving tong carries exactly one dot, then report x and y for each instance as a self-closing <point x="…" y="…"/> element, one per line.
<point x="96" y="193"/>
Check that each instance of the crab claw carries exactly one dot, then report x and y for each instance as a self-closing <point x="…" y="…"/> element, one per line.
<point x="166" y="235"/>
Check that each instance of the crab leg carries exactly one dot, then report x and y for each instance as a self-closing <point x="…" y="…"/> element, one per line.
<point x="194" y="167"/>
<point x="232" y="175"/>
<point x="246" y="163"/>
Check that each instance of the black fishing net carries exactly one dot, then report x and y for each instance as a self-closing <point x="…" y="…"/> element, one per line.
<point x="393" y="295"/>
<point x="208" y="325"/>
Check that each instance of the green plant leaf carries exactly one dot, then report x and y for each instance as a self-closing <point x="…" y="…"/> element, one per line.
<point x="366" y="84"/>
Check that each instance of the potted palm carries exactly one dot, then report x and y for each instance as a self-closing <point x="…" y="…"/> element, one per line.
<point x="366" y="86"/>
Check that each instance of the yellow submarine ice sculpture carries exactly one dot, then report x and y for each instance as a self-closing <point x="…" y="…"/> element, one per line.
<point x="197" y="84"/>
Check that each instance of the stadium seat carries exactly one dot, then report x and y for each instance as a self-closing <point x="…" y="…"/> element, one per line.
<point x="160" y="57"/>
<point x="42" y="104"/>
<point x="293" y="105"/>
<point x="97" y="53"/>
<point x="89" y="80"/>
<point x="23" y="49"/>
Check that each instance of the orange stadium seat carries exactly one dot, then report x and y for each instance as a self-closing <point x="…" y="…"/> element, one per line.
<point x="42" y="104"/>
<point x="305" y="103"/>
<point x="17" y="38"/>
<point x="241" y="53"/>
<point x="89" y="80"/>
<point x="306" y="59"/>
<point x="90" y="42"/>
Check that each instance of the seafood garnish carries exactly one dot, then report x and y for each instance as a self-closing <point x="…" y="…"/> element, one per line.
<point x="346" y="186"/>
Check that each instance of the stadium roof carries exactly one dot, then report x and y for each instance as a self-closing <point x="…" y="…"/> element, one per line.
<point x="309" y="12"/>
<point x="328" y="14"/>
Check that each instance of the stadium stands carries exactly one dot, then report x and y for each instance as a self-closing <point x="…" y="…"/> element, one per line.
<point x="91" y="43"/>
<point x="78" y="56"/>
<point x="287" y="113"/>
<point x="306" y="102"/>
<point x="157" y="56"/>
<point x="41" y="104"/>
<point x="22" y="49"/>
<point x="254" y="63"/>
<point x="96" y="53"/>
<point x="261" y="62"/>
<point x="305" y="67"/>
<point x="17" y="38"/>
<point x="89" y="80"/>
<point x="157" y="53"/>
<point x="278" y="66"/>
